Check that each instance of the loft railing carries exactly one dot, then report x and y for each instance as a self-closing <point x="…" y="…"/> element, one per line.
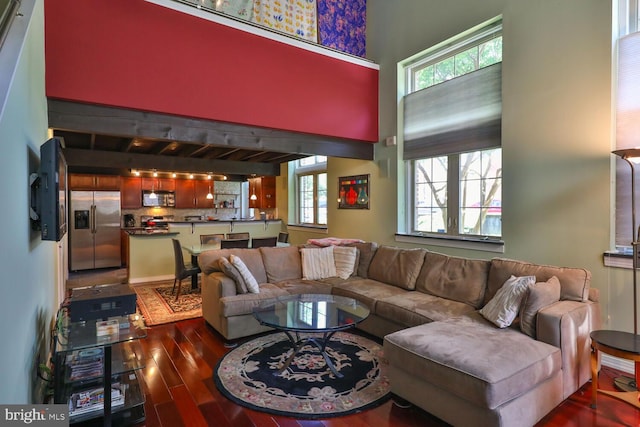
<point x="209" y="6"/>
<point x="8" y="10"/>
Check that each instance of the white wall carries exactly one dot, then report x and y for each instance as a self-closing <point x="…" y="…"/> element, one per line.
<point x="28" y="298"/>
<point x="556" y="131"/>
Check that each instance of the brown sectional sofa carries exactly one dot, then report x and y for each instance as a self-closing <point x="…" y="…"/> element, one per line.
<point x="443" y="355"/>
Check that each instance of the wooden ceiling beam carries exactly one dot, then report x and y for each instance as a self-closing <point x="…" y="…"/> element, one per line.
<point x="78" y="158"/>
<point x="66" y="115"/>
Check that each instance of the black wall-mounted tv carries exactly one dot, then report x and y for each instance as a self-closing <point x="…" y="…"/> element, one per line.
<point x="53" y="190"/>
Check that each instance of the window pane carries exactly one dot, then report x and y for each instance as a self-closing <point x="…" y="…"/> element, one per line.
<point x="481" y="193"/>
<point x="306" y="199"/>
<point x="423" y="78"/>
<point x="313" y="160"/>
<point x="466" y="61"/>
<point x="490" y="52"/>
<point x="431" y="195"/>
<point x="444" y="70"/>
<point x="322" y="198"/>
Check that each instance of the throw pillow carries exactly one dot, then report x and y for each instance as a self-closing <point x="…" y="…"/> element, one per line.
<point x="502" y="309"/>
<point x="251" y="282"/>
<point x="345" y="260"/>
<point x="230" y="271"/>
<point x="318" y="263"/>
<point x="538" y="296"/>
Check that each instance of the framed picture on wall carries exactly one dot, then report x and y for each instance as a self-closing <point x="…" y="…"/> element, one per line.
<point x="353" y="192"/>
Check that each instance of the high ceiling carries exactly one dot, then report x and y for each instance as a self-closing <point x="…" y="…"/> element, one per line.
<point x="100" y="139"/>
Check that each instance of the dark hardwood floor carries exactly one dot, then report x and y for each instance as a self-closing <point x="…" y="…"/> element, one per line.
<point x="180" y="391"/>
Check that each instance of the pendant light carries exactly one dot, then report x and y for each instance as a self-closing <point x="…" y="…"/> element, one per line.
<point x="209" y="195"/>
<point x="253" y="193"/>
<point x="153" y="194"/>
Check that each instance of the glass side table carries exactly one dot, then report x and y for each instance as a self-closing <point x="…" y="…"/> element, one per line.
<point x="89" y="368"/>
<point x="620" y="344"/>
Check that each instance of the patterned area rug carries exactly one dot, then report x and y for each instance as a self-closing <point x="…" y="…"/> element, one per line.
<point x="157" y="305"/>
<point x="307" y="388"/>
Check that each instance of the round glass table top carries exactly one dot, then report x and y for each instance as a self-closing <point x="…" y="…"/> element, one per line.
<point x="311" y="312"/>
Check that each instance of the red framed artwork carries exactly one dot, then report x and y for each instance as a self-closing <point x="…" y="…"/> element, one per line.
<point x="353" y="192"/>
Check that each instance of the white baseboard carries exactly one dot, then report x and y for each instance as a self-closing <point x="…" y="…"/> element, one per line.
<point x="617" y="363"/>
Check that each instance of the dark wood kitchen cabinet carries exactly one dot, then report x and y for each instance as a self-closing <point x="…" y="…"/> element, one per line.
<point x="268" y="190"/>
<point x="130" y="193"/>
<point x="265" y="190"/>
<point x="192" y="194"/>
<point x="185" y="193"/>
<point x="93" y="182"/>
<point x="202" y="189"/>
<point x="159" y="184"/>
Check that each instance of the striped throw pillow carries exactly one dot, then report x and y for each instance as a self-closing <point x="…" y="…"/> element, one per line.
<point x="249" y="280"/>
<point x="345" y="259"/>
<point x="503" y="308"/>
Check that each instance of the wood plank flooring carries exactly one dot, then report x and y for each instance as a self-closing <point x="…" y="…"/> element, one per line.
<point x="180" y="391"/>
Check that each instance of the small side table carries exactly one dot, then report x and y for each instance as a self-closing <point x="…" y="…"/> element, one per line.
<point x="619" y="344"/>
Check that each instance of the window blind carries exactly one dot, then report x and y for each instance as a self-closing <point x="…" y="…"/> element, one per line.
<point x="459" y="115"/>
<point x="627" y="132"/>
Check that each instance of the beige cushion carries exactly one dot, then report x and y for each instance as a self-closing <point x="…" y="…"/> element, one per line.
<point x="473" y="360"/>
<point x="366" y="251"/>
<point x="503" y="307"/>
<point x="231" y="271"/>
<point x="412" y="308"/>
<point x="397" y="266"/>
<point x="252" y="258"/>
<point x="249" y="280"/>
<point x="282" y="263"/>
<point x="317" y="263"/>
<point x="345" y="260"/>
<point x="367" y="291"/>
<point x="458" y="279"/>
<point x="574" y="282"/>
<point x="538" y="296"/>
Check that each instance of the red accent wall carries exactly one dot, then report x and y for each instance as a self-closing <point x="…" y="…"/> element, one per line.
<point x="134" y="54"/>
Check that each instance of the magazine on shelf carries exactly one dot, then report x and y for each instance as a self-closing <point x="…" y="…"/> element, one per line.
<point x="85" y="364"/>
<point x="86" y="401"/>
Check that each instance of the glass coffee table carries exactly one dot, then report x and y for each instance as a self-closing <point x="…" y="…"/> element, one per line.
<point x="316" y="316"/>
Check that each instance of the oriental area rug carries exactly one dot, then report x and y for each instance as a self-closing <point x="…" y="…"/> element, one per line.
<point x="158" y="305"/>
<point x="248" y="375"/>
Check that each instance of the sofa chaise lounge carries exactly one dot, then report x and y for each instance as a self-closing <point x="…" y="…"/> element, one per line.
<point x="444" y="355"/>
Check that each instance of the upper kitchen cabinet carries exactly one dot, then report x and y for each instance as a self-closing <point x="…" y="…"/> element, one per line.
<point x="192" y="194"/>
<point x="93" y="182"/>
<point x="202" y="189"/>
<point x="159" y="184"/>
<point x="130" y="193"/>
<point x="268" y="196"/>
<point x="185" y="194"/>
<point x="264" y="189"/>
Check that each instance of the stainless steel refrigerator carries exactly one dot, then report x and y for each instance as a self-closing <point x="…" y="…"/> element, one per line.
<point x="95" y="229"/>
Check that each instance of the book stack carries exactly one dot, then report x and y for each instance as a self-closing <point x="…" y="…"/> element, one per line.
<point x="90" y="400"/>
<point x="85" y="364"/>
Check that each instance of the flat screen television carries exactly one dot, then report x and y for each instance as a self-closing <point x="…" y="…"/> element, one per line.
<point x="53" y="190"/>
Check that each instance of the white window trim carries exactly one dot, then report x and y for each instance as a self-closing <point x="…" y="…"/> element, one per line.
<point x="316" y="168"/>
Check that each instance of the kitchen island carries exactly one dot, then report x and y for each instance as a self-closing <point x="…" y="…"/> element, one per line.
<point x="151" y="253"/>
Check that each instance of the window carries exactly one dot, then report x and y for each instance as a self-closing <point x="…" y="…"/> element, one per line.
<point x="311" y="190"/>
<point x="627" y="117"/>
<point x="452" y="136"/>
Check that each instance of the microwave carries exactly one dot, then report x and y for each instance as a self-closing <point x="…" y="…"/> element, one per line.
<point x="163" y="198"/>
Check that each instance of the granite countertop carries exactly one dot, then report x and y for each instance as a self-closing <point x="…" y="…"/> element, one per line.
<point x="204" y="221"/>
<point x="147" y="231"/>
